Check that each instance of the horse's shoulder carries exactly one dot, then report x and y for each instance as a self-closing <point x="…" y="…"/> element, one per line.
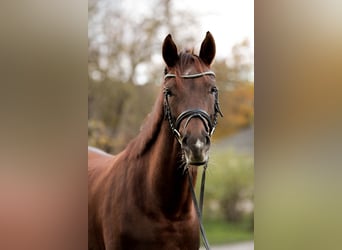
<point x="98" y="160"/>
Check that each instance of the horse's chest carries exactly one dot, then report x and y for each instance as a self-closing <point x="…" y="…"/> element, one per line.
<point x="152" y="234"/>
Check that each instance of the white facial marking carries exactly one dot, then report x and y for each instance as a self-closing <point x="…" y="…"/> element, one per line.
<point x="199" y="144"/>
<point x="187" y="71"/>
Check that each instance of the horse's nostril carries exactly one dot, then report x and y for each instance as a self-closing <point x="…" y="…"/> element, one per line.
<point x="185" y="140"/>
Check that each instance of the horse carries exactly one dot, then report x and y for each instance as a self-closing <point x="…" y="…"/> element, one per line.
<point x="140" y="198"/>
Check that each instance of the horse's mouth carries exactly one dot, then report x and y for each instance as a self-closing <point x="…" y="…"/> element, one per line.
<point x="196" y="157"/>
<point x="197" y="163"/>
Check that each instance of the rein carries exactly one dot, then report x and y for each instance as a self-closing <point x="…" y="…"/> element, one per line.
<point x="210" y="123"/>
<point x="199" y="208"/>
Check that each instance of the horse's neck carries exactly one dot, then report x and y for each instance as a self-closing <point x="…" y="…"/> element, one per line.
<point x="166" y="184"/>
<point x="170" y="186"/>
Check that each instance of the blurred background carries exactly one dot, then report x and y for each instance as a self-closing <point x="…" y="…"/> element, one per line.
<point x="44" y="134"/>
<point x="125" y="70"/>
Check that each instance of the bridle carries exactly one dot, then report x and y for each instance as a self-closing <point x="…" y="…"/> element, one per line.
<point x="209" y="122"/>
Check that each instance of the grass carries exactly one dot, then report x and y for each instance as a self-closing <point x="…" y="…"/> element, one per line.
<point x="222" y="232"/>
<point x="228" y="174"/>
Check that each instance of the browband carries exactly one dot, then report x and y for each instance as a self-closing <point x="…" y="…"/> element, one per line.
<point x="190" y="76"/>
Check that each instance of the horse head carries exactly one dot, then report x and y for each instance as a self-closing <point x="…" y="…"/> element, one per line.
<point x="191" y="98"/>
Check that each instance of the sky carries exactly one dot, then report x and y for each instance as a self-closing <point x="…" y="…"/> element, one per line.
<point x="230" y="21"/>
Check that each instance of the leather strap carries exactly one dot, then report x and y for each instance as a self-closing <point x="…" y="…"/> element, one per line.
<point x="200" y="207"/>
<point x="169" y="75"/>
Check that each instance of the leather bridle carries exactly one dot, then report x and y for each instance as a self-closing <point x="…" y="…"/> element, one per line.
<point x="209" y="122"/>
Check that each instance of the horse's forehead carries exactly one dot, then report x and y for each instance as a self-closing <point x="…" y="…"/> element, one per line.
<point x="188" y="70"/>
<point x="192" y="69"/>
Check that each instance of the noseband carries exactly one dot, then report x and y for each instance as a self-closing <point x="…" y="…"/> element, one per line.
<point x="208" y="121"/>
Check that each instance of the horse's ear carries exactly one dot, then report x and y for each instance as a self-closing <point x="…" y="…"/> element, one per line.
<point x="208" y="49"/>
<point x="170" y="54"/>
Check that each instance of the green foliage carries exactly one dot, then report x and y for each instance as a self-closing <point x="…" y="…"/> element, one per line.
<point x="98" y="135"/>
<point x="229" y="184"/>
<point x="116" y="112"/>
<point x="222" y="232"/>
<point x="229" y="187"/>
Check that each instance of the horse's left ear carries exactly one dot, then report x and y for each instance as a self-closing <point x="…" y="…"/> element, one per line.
<point x="208" y="49"/>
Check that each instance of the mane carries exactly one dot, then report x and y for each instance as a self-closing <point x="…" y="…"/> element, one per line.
<point x="152" y="124"/>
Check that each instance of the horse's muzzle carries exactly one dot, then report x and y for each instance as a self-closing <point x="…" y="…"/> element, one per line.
<point x="196" y="149"/>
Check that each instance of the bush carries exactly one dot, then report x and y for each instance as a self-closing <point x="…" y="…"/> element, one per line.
<point x="99" y="136"/>
<point x="229" y="189"/>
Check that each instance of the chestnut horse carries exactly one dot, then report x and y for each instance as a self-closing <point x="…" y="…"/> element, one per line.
<point x="141" y="198"/>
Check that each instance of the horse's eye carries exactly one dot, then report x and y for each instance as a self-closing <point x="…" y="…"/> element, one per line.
<point x="213" y="90"/>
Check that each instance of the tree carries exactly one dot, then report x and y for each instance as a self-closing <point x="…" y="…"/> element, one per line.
<point x="241" y="63"/>
<point x="234" y="76"/>
<point x="120" y="42"/>
<point x="122" y="54"/>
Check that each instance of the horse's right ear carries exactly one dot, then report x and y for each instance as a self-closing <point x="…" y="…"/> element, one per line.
<point x="170" y="54"/>
<point x="208" y="49"/>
